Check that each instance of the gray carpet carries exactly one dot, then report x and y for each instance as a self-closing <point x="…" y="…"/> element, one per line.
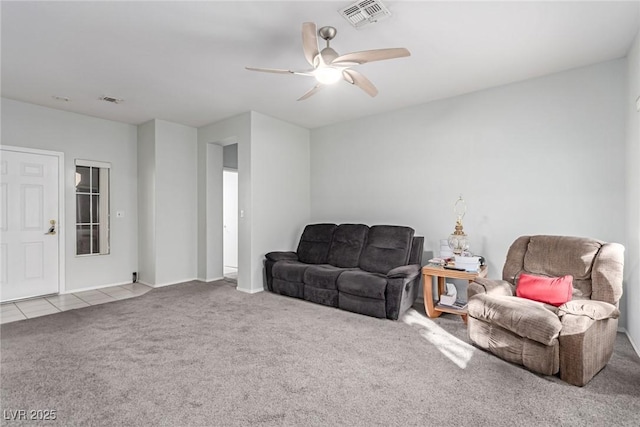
<point x="206" y="354"/>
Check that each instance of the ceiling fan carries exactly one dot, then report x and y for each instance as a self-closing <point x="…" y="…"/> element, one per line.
<point x="329" y="67"/>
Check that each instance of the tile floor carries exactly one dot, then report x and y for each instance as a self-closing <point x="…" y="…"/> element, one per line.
<point x="27" y="309"/>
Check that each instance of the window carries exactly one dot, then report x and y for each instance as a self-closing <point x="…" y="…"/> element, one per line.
<point x="92" y="207"/>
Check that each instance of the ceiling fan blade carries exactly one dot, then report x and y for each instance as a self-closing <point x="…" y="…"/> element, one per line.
<point x="310" y="41"/>
<point x="357" y="79"/>
<point x="311" y="91"/>
<point x="270" y="70"/>
<point x="365" y="56"/>
<point x="281" y="71"/>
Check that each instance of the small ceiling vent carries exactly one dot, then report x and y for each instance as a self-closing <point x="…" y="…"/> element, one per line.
<point x="365" y="12"/>
<point x="112" y="99"/>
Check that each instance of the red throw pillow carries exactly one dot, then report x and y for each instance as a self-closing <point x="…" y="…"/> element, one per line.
<point x="551" y="290"/>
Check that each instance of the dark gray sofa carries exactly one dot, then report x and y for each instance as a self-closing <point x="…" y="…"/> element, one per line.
<point x="367" y="270"/>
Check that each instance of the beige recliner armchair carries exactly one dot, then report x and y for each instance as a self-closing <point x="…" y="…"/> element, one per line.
<point x="576" y="338"/>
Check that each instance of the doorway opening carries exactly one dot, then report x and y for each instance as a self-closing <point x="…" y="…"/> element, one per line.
<point x="230" y="212"/>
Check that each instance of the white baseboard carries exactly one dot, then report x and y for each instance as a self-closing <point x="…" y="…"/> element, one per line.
<point x="162" y="285"/>
<point x="250" y="291"/>
<point x="93" y="288"/>
<point x="214" y="279"/>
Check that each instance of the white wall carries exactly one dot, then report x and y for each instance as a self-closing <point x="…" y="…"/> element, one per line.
<point x="632" y="261"/>
<point x="273" y="188"/>
<point x="84" y="137"/>
<point x="234" y="130"/>
<point x="147" y="202"/>
<point x="168" y="204"/>
<point x="280" y="170"/>
<point x="176" y="203"/>
<point x="544" y="156"/>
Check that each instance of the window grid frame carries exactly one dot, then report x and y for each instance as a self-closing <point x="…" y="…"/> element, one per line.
<point x="92" y="251"/>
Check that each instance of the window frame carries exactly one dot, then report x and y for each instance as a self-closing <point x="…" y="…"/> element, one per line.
<point x="103" y="217"/>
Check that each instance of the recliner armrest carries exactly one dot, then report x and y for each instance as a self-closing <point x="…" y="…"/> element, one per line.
<point x="404" y="272"/>
<point x="586" y="339"/>
<point x="282" y="256"/>
<point x="595" y="310"/>
<point x="481" y="285"/>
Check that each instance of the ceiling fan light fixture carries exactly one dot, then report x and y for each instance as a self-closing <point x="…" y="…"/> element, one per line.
<point x="327" y="75"/>
<point x="329" y="66"/>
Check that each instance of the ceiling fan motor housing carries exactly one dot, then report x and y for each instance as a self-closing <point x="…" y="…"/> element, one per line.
<point x="327" y="33"/>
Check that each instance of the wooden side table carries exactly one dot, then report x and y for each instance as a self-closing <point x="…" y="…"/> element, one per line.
<point x="428" y="272"/>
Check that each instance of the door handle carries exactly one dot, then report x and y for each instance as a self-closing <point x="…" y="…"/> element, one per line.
<point x="52" y="229"/>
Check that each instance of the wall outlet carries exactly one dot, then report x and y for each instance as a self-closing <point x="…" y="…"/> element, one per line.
<point x="134" y="277"/>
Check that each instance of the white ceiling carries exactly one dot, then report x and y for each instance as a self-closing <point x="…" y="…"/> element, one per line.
<point x="184" y="61"/>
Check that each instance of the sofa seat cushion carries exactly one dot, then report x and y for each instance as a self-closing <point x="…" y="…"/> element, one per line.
<point x="290" y="271"/>
<point x="526" y="318"/>
<point x="323" y="276"/>
<point x="363" y="284"/>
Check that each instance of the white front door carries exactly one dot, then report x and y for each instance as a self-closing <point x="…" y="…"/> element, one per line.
<point x="29" y="252"/>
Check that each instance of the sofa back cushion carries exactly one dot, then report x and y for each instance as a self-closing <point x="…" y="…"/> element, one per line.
<point x="314" y="243"/>
<point x="561" y="255"/>
<point x="554" y="256"/>
<point x="387" y="247"/>
<point x="346" y="246"/>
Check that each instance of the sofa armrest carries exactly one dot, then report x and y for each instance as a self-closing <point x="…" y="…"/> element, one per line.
<point x="578" y="316"/>
<point x="523" y="317"/>
<point x="408" y="272"/>
<point x="594" y="310"/>
<point x="587" y="338"/>
<point x="402" y="289"/>
<point x="480" y="285"/>
<point x="282" y="256"/>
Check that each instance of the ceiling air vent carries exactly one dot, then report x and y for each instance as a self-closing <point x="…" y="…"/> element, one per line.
<point x="365" y="12"/>
<point x="112" y="99"/>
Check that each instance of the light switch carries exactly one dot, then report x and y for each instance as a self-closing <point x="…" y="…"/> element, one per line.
<point x="119" y="214"/>
<point x="638" y="104"/>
